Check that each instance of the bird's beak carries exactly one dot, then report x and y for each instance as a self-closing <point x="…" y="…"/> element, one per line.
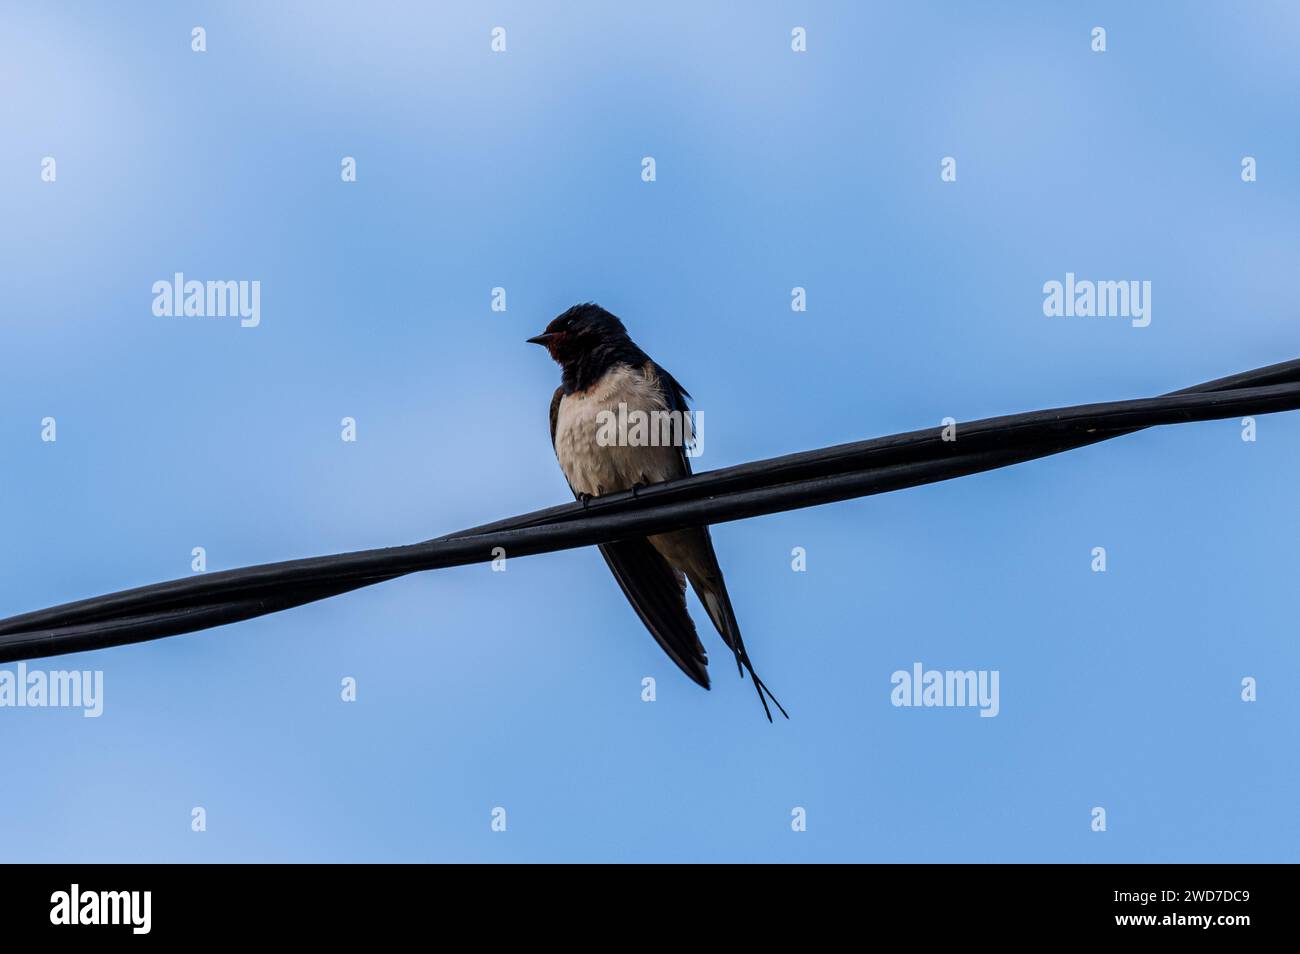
<point x="542" y="339"/>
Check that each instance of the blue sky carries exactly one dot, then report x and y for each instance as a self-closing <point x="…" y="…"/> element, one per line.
<point x="775" y="169"/>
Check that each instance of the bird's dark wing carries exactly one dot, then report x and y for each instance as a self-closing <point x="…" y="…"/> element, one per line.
<point x="676" y="396"/>
<point x="555" y="412"/>
<point x="709" y="585"/>
<point x="656" y="592"/>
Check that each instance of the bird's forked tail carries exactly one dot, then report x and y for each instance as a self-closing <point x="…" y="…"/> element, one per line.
<point x="713" y="594"/>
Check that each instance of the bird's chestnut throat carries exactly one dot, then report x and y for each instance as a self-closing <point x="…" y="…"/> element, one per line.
<point x="555" y="347"/>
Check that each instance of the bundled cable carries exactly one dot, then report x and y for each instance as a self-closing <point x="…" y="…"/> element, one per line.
<point x="733" y="493"/>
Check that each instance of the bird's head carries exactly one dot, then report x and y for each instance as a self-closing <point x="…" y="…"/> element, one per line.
<point x="587" y="341"/>
<point x="582" y="331"/>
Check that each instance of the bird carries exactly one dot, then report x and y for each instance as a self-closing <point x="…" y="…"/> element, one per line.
<point x="601" y="370"/>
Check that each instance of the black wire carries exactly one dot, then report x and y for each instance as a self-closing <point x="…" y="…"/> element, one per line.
<point x="762" y="487"/>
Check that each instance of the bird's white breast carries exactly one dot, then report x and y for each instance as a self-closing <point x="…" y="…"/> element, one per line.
<point x="596" y="468"/>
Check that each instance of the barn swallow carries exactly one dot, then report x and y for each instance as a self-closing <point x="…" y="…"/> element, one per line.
<point x="602" y="368"/>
